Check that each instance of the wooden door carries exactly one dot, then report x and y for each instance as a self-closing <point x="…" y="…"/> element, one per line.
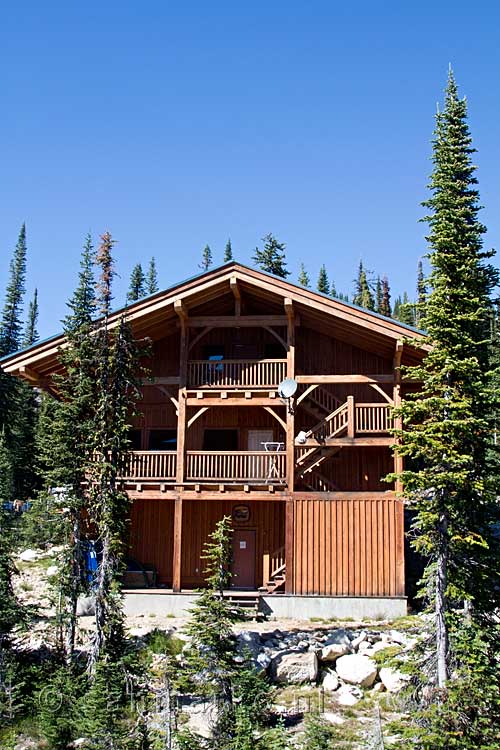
<point x="243" y="567"/>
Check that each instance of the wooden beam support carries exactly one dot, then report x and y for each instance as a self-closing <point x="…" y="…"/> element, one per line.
<point x="359" y="441"/>
<point x="177" y="552"/>
<point x="276" y="336"/>
<point x="199" y="337"/>
<point x="289" y="546"/>
<point x="273" y="413"/>
<point x="198" y="414"/>
<point x="321" y="379"/>
<point x="29" y="374"/>
<point x="233" y="283"/>
<point x="233" y="321"/>
<point x="209" y="400"/>
<point x="163" y="389"/>
<point x="306" y="393"/>
<point x="380" y="390"/>
<point x="180" y="309"/>
<point x="398" y="422"/>
<point x="290" y="415"/>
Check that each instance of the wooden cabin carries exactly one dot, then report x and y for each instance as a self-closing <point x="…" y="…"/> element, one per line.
<point x="316" y="526"/>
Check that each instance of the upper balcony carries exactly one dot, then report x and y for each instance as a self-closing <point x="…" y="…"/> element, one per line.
<point x="227" y="374"/>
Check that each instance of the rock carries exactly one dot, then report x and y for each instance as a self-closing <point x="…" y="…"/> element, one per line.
<point x="364" y="646"/>
<point x="358" y="640"/>
<point x="295" y="667"/>
<point x="398" y="637"/>
<point x="85" y="606"/>
<point x="392" y="679"/>
<point x="356" y="669"/>
<point x="330" y="681"/>
<point x="379" y="687"/>
<point x="249" y="641"/>
<point x="332" y="718"/>
<point x="29" y="555"/>
<point x="348" y="696"/>
<point x="304" y="645"/>
<point x="333" y="651"/>
<point x="52" y="571"/>
<point x="263" y="660"/>
<point x="339" y="637"/>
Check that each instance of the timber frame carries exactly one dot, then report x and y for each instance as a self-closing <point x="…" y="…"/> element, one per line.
<point x="325" y="524"/>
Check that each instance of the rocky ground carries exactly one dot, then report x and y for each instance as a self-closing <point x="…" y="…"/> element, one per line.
<point x="344" y="669"/>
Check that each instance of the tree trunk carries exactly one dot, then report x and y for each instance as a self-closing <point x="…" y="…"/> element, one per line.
<point x="75" y="586"/>
<point x="440" y="601"/>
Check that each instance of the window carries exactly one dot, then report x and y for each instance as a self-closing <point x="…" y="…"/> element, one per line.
<point x="162" y="440"/>
<point x="135" y="437"/>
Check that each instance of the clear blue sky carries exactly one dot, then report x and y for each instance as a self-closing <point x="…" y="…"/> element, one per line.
<point x="174" y="124"/>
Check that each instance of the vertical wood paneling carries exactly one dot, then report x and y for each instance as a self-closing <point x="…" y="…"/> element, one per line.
<point x="152" y="535"/>
<point x="360" y="555"/>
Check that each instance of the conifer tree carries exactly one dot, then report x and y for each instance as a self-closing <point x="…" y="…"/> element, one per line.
<point x="323" y="285"/>
<point x="82" y="304"/>
<point x="421" y="296"/>
<point x="385" y="304"/>
<point x="228" y="252"/>
<point x="137" y="288"/>
<point x="333" y="290"/>
<point x="448" y="423"/>
<point x="206" y="258"/>
<point x="303" y="278"/>
<point x="378" y="295"/>
<point x="31" y="333"/>
<point x="152" y="278"/>
<point x="397" y="307"/>
<point x="11" y="323"/>
<point x="406" y="311"/>
<point x="272" y="257"/>
<point x="363" y="296"/>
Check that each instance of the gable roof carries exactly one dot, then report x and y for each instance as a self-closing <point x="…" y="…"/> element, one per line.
<point x="155" y="314"/>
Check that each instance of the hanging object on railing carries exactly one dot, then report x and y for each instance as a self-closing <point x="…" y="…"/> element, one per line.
<point x="286" y="391"/>
<point x="301" y="437"/>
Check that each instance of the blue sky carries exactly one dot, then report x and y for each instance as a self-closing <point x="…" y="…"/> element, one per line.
<point x="174" y="124"/>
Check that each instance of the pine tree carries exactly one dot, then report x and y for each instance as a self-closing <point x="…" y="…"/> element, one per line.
<point x="206" y="258"/>
<point x="406" y="311"/>
<point x="82" y="304"/>
<point x="272" y="257"/>
<point x="303" y="277"/>
<point x="228" y="252"/>
<point x="363" y="296"/>
<point x="117" y="369"/>
<point x="448" y="423"/>
<point x="333" y="289"/>
<point x="137" y="288"/>
<point x="11" y="324"/>
<point x="31" y="333"/>
<point x="323" y="285"/>
<point x="152" y="278"/>
<point x="421" y="296"/>
<point x="385" y="304"/>
<point x="378" y="295"/>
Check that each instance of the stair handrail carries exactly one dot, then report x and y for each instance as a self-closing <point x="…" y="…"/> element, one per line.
<point x="338" y="412"/>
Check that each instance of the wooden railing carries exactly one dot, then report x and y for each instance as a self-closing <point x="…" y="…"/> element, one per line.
<point x="236" y="466"/>
<point x="373" y="418"/>
<point x="151" y="465"/>
<point x="334" y="424"/>
<point x="325" y="399"/>
<point x="236" y="373"/>
<point x="273" y="564"/>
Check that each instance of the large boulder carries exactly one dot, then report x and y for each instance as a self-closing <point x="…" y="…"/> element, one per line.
<point x="348" y="695"/>
<point x="85" y="606"/>
<point x="356" y="669"/>
<point x="249" y="642"/>
<point x="338" y="637"/>
<point x="330" y="681"/>
<point x="295" y="667"/>
<point x="29" y="555"/>
<point x="392" y="679"/>
<point x="333" y="651"/>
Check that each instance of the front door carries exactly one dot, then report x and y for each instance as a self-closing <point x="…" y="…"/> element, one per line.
<point x="243" y="568"/>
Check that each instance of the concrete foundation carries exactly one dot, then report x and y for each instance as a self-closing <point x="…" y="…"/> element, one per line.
<point x="158" y="602"/>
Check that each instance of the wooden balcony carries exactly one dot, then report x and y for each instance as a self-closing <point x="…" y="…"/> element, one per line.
<point x="144" y="465"/>
<point x="235" y="373"/>
<point x="373" y="419"/>
<point x="236" y="467"/>
<point x="351" y="421"/>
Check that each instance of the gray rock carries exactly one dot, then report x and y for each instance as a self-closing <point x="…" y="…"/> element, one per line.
<point x="356" y="669"/>
<point x="295" y="668"/>
<point x="85" y="606"/>
<point x="392" y="679"/>
<point x="264" y="660"/>
<point x="347" y="695"/>
<point x="358" y="640"/>
<point x="330" y="681"/>
<point x="249" y="641"/>
<point x="338" y="637"/>
<point x="333" y="651"/>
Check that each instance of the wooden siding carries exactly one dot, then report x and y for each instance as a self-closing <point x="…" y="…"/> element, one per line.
<point x="199" y="519"/>
<point x="152" y="535"/>
<point x="350" y="546"/>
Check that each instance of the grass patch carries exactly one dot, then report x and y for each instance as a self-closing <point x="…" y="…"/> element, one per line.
<point x="387" y="657"/>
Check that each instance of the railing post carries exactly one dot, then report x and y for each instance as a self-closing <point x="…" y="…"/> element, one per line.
<point x="266" y="568"/>
<point x="351" y="417"/>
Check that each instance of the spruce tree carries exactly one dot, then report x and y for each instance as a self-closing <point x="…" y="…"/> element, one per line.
<point x="152" y="278"/>
<point x="397" y="307"/>
<point x="228" y="252"/>
<point x="333" y="290"/>
<point x="448" y="424"/>
<point x="385" y="304"/>
<point x="137" y="287"/>
<point x="406" y="311"/>
<point x="303" y="278"/>
<point x="323" y="285"/>
<point x="363" y="296"/>
<point x="421" y="296"/>
<point x="206" y="258"/>
<point x="11" y="323"/>
<point x="31" y="333"/>
<point x="272" y="257"/>
<point x="378" y="295"/>
<point x="82" y="304"/>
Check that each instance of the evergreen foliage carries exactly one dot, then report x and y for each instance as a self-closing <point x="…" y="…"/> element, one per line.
<point x="31" y="333"/>
<point x="406" y="311"/>
<point x="319" y="735"/>
<point x="363" y="296"/>
<point x="228" y="252"/>
<point x="82" y="304"/>
<point x="385" y="303"/>
<point x="303" y="278"/>
<point x="152" y="278"/>
<point x="421" y="296"/>
<point x="333" y="290"/>
<point x="272" y="257"/>
<point x="57" y="702"/>
<point x="206" y="258"/>
<point x="11" y="323"/>
<point x="378" y="294"/>
<point x="137" y="287"/>
<point x="448" y="424"/>
<point x="323" y="285"/>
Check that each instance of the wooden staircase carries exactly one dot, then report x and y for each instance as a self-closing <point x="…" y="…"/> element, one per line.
<point x="247" y="601"/>
<point x="274" y="572"/>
